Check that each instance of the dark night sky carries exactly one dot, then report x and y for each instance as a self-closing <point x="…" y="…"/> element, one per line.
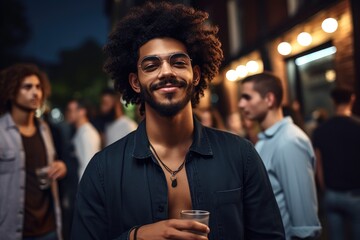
<point x="61" y="25"/>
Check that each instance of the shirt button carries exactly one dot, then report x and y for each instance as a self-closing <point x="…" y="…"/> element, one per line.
<point x="161" y="208"/>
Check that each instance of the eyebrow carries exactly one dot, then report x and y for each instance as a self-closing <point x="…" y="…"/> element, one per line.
<point x="246" y="96"/>
<point x="27" y="84"/>
<point x="164" y="54"/>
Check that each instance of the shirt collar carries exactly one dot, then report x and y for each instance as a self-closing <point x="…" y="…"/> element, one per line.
<point x="271" y="131"/>
<point x="200" y="143"/>
<point x="9" y="122"/>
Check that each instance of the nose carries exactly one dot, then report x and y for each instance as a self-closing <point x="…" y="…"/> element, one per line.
<point x="241" y="103"/>
<point x="166" y="70"/>
<point x="36" y="91"/>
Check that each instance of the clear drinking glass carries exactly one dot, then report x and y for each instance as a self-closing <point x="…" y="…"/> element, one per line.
<point x="197" y="215"/>
<point x="43" y="177"/>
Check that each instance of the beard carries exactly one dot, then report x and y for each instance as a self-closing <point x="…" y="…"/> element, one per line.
<point x="167" y="109"/>
<point x="25" y="108"/>
<point x="109" y="116"/>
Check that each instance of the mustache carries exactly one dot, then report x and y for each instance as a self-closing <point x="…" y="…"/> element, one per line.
<point x="171" y="81"/>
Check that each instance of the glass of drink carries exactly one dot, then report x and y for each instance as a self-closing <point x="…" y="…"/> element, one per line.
<point x="43" y="177"/>
<point x="197" y="215"/>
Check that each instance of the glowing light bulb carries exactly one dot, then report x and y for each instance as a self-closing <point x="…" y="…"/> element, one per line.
<point x="329" y="25"/>
<point x="304" y="39"/>
<point x="241" y="71"/>
<point x="284" y="48"/>
<point x="231" y="75"/>
<point x="252" y="66"/>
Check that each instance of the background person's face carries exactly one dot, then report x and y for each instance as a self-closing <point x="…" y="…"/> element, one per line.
<point x="30" y="95"/>
<point x="251" y="104"/>
<point x="107" y="104"/>
<point x="72" y="112"/>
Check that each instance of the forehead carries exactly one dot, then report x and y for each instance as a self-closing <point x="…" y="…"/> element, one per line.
<point x="72" y="105"/>
<point x="247" y="90"/>
<point x="32" y="79"/>
<point x="161" y="46"/>
<point x="107" y="99"/>
<point x="247" y="87"/>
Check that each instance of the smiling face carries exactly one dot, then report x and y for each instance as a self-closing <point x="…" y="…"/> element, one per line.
<point x="30" y="94"/>
<point x="252" y="105"/>
<point x="167" y="86"/>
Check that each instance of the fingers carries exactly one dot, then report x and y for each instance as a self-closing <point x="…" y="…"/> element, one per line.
<point x="190" y="225"/>
<point x="174" y="229"/>
<point x="57" y="170"/>
<point x="187" y="229"/>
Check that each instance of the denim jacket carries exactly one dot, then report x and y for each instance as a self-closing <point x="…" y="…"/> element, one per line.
<point x="12" y="178"/>
<point x="123" y="186"/>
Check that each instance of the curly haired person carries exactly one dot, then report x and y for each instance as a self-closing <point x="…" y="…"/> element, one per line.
<point x="29" y="206"/>
<point x="162" y="56"/>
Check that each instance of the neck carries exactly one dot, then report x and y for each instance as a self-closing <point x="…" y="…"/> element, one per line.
<point x="118" y="112"/>
<point x="170" y="131"/>
<point x="343" y="110"/>
<point x="273" y="116"/>
<point x="23" y="118"/>
<point x="81" y="122"/>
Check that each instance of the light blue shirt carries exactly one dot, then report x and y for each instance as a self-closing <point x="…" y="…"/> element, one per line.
<point x="290" y="161"/>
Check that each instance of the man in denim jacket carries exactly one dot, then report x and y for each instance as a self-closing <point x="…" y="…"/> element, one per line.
<point x="29" y="209"/>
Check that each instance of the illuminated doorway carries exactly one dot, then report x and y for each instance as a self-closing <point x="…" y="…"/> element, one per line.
<point x="311" y="77"/>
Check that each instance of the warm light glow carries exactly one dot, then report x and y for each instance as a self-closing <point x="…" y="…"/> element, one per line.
<point x="329" y="25"/>
<point x="252" y="66"/>
<point x="241" y="71"/>
<point x="284" y="48"/>
<point x="231" y="75"/>
<point x="304" y="39"/>
<point x="330" y="75"/>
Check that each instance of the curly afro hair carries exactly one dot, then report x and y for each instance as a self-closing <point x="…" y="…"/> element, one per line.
<point x="11" y="79"/>
<point x="159" y="20"/>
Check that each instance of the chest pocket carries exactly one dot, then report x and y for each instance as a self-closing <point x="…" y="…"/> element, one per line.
<point x="229" y="213"/>
<point x="7" y="160"/>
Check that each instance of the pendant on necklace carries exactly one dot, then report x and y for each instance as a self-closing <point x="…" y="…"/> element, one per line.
<point x="173" y="181"/>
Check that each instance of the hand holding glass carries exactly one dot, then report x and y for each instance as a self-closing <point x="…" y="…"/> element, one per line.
<point x="197" y="215"/>
<point x="43" y="177"/>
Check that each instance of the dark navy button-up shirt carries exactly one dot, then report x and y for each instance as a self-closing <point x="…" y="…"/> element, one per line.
<point x="123" y="186"/>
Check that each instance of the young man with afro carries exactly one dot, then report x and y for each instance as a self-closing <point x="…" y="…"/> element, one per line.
<point x="162" y="56"/>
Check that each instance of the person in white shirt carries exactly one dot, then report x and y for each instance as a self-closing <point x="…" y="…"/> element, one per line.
<point x="86" y="139"/>
<point x="117" y="124"/>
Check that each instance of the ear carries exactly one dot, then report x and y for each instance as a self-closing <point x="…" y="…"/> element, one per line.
<point x="270" y="99"/>
<point x="134" y="82"/>
<point x="82" y="112"/>
<point x="196" y="75"/>
<point x="352" y="99"/>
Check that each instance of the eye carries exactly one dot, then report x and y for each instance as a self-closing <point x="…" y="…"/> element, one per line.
<point x="246" y="97"/>
<point x="179" y="60"/>
<point x="27" y="86"/>
<point x="150" y="64"/>
<point x="149" y="67"/>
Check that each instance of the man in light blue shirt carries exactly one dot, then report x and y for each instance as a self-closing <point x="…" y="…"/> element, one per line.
<point x="287" y="154"/>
